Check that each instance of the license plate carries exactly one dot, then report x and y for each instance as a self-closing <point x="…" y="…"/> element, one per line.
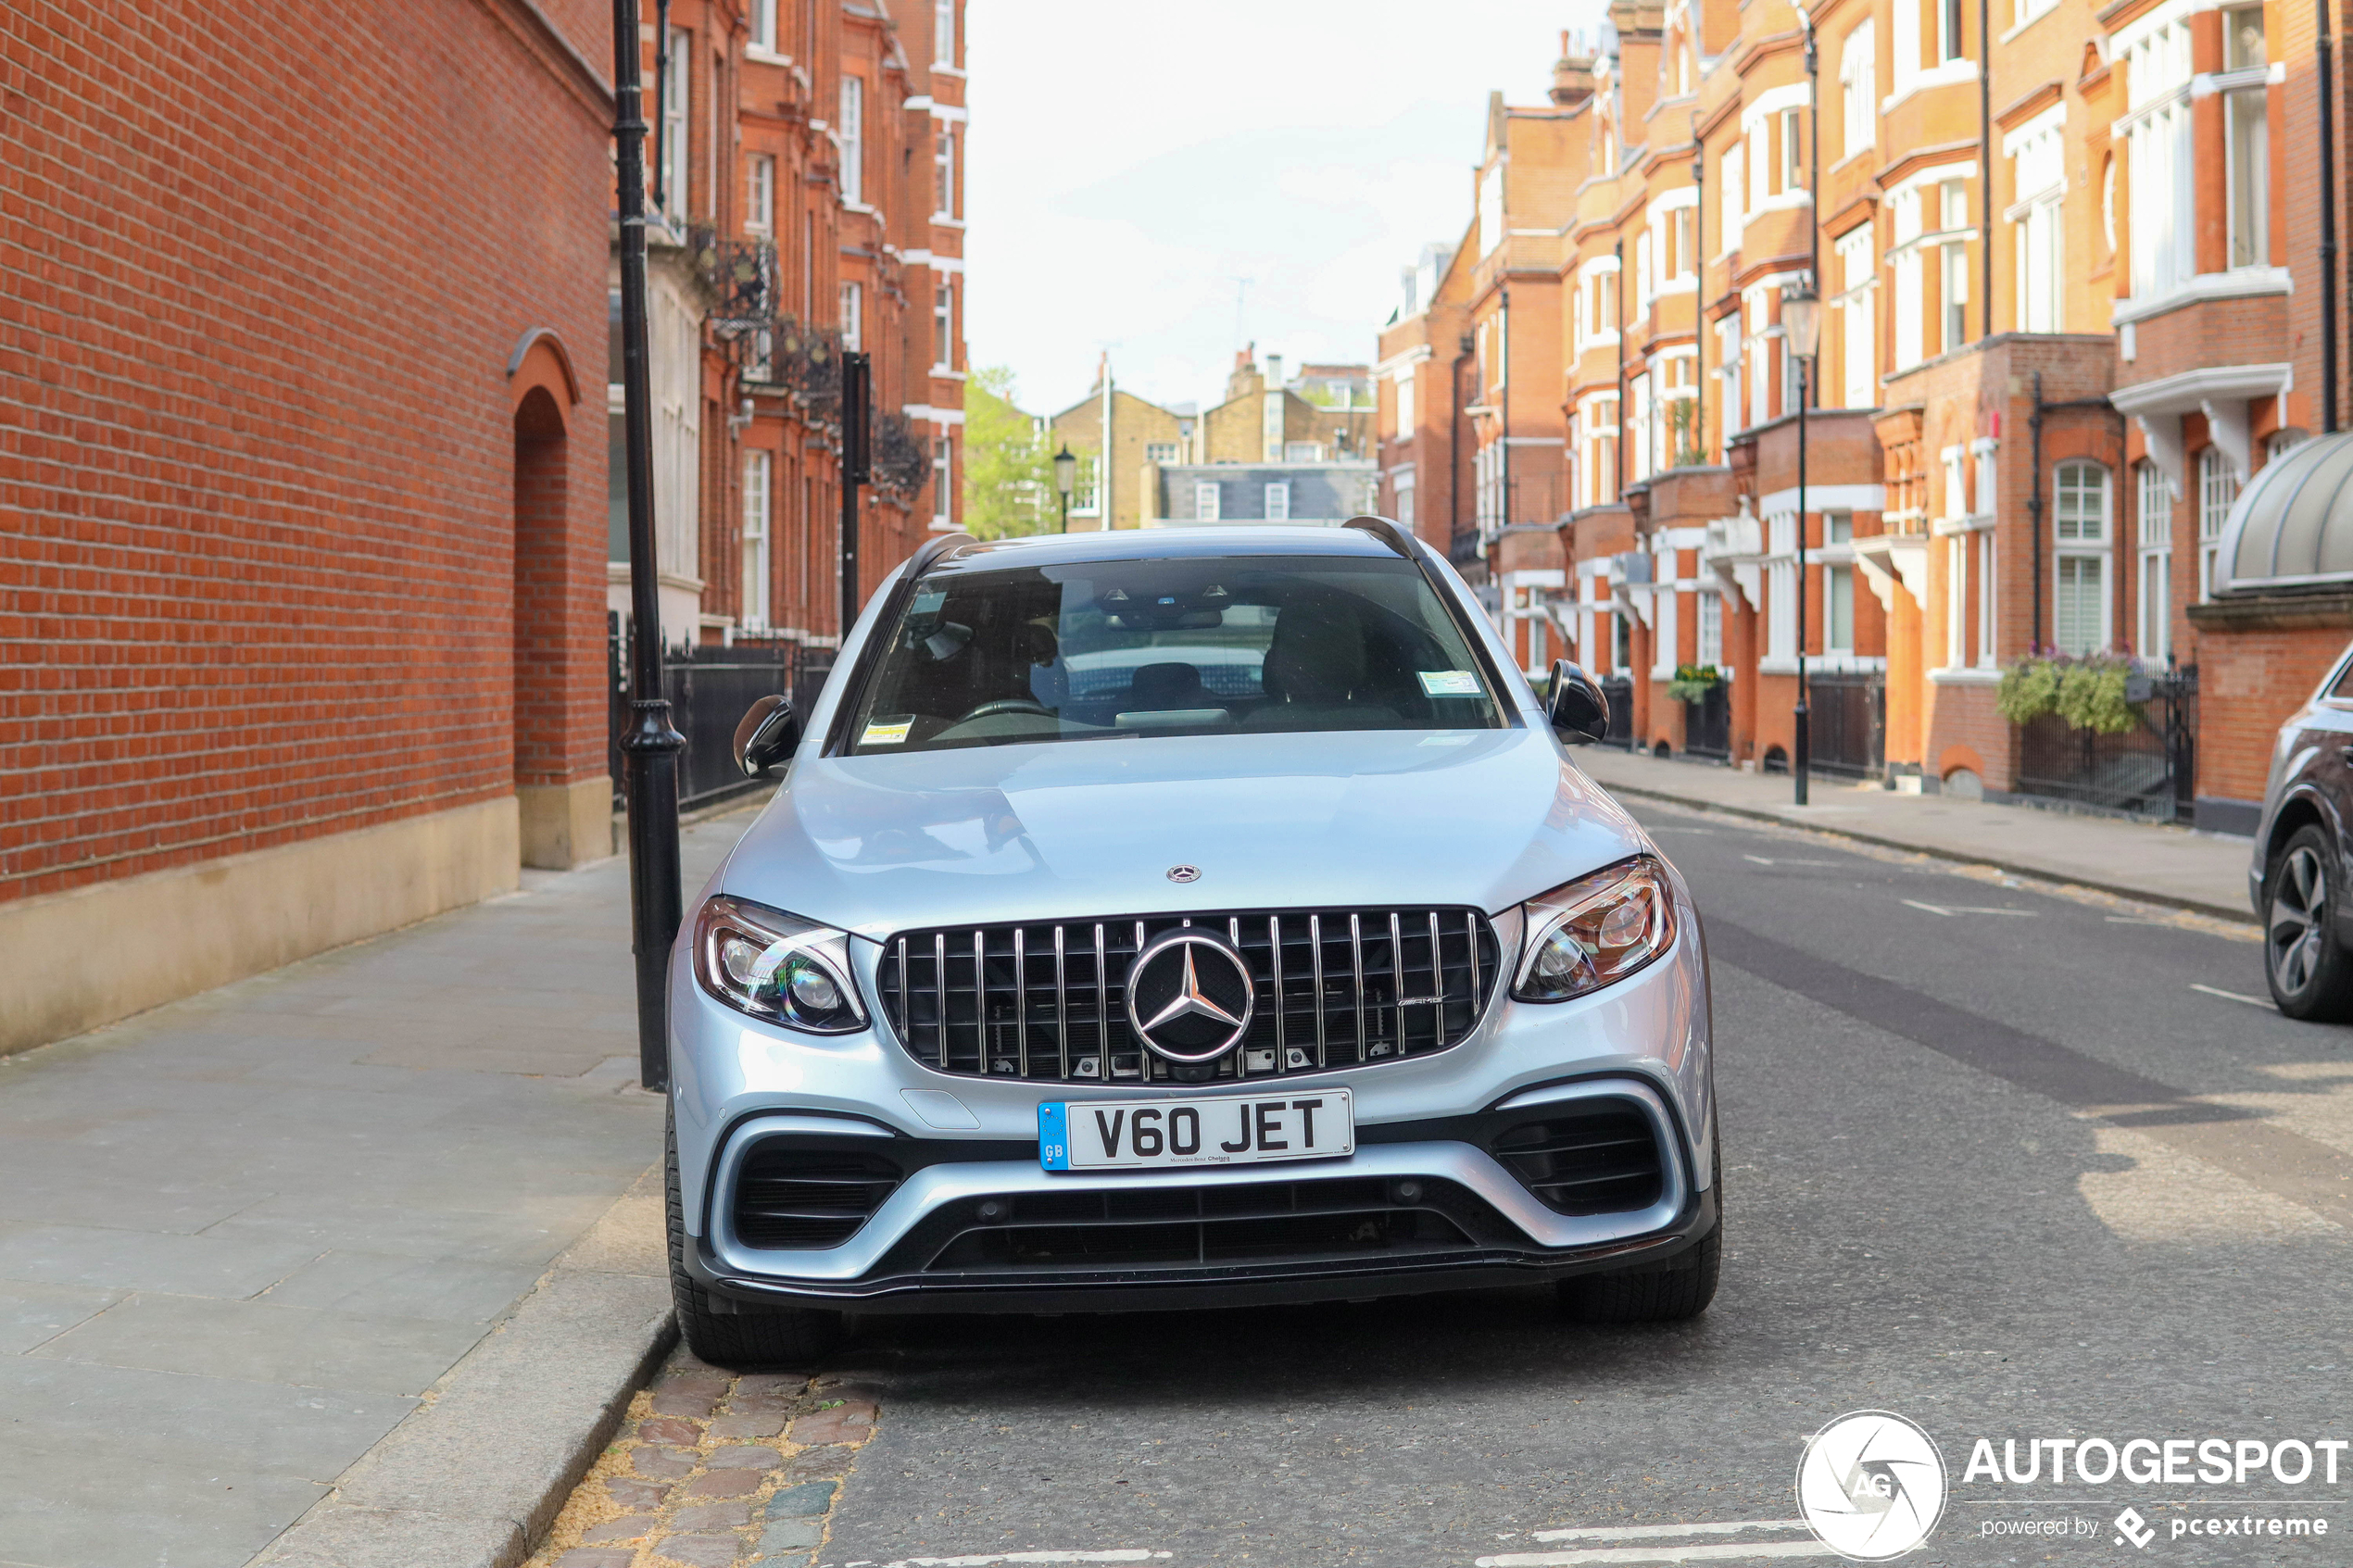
<point x="1154" y="1135"/>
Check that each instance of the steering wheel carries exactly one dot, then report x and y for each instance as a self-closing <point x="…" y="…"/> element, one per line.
<point x="1008" y="705"/>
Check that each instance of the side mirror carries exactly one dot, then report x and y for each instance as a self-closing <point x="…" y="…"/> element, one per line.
<point x="1576" y="707"/>
<point x="768" y="734"/>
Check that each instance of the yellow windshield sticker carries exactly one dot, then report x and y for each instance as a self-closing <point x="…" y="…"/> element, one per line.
<point x="886" y="734"/>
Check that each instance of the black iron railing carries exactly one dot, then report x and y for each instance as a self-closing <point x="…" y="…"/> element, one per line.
<point x="2149" y="770"/>
<point x="708" y="689"/>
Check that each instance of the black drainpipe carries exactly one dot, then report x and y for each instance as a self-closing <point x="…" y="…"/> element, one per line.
<point x="2035" y="517"/>
<point x="2327" y="86"/>
<point x="1455" y="445"/>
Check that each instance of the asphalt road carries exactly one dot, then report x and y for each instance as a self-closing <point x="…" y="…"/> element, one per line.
<point x="2009" y="1163"/>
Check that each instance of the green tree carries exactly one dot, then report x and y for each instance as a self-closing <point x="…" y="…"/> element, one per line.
<point x="1009" y="474"/>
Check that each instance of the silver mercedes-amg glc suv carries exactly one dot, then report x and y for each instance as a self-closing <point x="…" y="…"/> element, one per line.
<point x="1184" y="917"/>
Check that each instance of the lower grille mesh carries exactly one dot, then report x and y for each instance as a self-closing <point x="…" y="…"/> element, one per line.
<point x="1598" y="1157"/>
<point x="805" y="1198"/>
<point x="1263" y="1223"/>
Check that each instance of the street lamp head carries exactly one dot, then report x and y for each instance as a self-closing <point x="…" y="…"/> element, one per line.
<point x="1802" y="320"/>
<point x="1065" y="471"/>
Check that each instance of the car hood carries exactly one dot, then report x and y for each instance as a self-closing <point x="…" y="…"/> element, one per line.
<point x="1081" y="829"/>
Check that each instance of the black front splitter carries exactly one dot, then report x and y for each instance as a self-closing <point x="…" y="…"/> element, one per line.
<point x="1131" y="1290"/>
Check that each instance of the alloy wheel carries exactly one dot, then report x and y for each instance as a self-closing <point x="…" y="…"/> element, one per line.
<point x="2298" y="919"/>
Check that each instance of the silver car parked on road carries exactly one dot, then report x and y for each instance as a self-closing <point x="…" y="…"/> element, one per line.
<point x="1184" y="917"/>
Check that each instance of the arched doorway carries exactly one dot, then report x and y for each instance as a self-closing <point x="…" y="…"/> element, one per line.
<point x="563" y="794"/>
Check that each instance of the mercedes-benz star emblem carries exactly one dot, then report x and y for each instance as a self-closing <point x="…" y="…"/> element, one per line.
<point x="1189" y="996"/>
<point x="1184" y="873"/>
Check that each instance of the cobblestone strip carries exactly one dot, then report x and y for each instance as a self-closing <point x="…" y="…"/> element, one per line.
<point x="711" y="1470"/>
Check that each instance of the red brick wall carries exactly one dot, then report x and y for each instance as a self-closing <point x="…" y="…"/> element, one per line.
<point x="258" y="293"/>
<point x="2249" y="681"/>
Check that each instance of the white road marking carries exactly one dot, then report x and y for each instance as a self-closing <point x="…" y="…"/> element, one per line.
<point x="1786" y="861"/>
<point x="1714" y="1552"/>
<point x="1657" y="1531"/>
<point x="2263" y="1002"/>
<point x="1966" y="909"/>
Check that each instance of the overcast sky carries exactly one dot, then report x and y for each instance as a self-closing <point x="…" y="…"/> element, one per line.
<point x="1127" y="162"/>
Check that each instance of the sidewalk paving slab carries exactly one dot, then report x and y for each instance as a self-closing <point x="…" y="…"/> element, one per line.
<point x="2205" y="873"/>
<point x="319" y="1220"/>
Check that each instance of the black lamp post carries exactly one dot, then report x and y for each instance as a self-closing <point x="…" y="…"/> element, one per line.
<point x="1065" y="475"/>
<point x="649" y="751"/>
<point x="1802" y="334"/>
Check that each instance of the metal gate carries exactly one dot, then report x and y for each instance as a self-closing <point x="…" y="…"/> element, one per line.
<point x="1847" y="731"/>
<point x="2149" y="770"/>
<point x="1707" y="723"/>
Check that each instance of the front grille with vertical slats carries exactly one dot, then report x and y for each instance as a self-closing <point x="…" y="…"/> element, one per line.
<point x="1595" y="1157"/>
<point x="1334" y="988"/>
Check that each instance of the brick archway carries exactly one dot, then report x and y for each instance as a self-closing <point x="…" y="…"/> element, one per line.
<point x="563" y="797"/>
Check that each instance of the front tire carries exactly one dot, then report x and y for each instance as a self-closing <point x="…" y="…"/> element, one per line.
<point x="790" y="1336"/>
<point x="2308" y="973"/>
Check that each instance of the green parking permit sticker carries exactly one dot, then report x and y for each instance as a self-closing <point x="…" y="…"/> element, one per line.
<point x="1449" y="683"/>
<point x="893" y="733"/>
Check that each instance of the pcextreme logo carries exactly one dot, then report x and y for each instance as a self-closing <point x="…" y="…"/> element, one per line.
<point x="1871" y="1485"/>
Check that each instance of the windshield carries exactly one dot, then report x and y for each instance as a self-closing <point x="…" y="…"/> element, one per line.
<point x="1108" y="649"/>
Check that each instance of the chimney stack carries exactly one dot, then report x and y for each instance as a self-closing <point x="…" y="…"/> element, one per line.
<point x="1572" y="74"/>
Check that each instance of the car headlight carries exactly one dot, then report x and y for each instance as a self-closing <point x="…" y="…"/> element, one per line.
<point x="1596" y="931"/>
<point x="776" y="966"/>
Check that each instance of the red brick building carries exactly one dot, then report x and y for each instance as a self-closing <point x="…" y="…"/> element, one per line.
<point x="2070" y="308"/>
<point x="820" y="208"/>
<point x="310" y="500"/>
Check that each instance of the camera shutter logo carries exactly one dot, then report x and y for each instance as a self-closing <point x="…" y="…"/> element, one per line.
<point x="1189" y="996"/>
<point x="1871" y="1485"/>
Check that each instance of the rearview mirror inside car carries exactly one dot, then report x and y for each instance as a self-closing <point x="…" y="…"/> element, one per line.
<point x="768" y="734"/>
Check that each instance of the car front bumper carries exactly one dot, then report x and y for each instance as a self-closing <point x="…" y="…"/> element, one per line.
<point x="962" y="1140"/>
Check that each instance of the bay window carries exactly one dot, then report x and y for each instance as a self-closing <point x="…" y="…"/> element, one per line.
<point x="2038" y="156"/>
<point x="2158" y="161"/>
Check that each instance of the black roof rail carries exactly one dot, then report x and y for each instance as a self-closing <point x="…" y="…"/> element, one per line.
<point x="1385" y="529"/>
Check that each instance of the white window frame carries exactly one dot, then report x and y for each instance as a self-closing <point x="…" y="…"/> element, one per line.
<point x="1277" y="506"/>
<point x="759" y="194"/>
<point x="1710" y="640"/>
<point x="757" y="503"/>
<point x="677" y="147"/>
<point x="943" y="33"/>
<point x="2218" y="487"/>
<point x="943" y="320"/>
<point x="1987" y="586"/>
<point x="1838" y="581"/>
<point x="2153" y="506"/>
<point x="761" y="20"/>
<point x="1858" y="89"/>
<point x="943" y="164"/>
<point x="2082" y="550"/>
<point x="1163" y="452"/>
<point x="853" y="316"/>
<point x="1207" y="506"/>
<point x="852" y="131"/>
